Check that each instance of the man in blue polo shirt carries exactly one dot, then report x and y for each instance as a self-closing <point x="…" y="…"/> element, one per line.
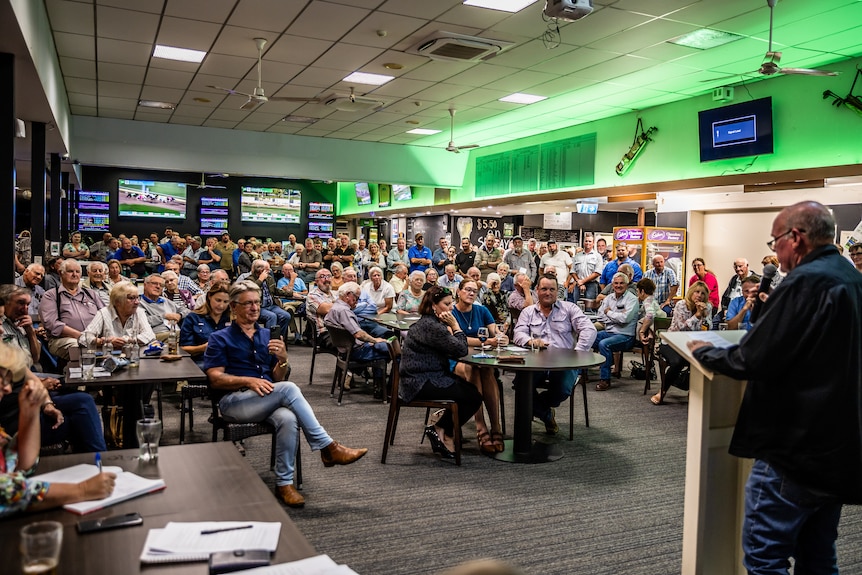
<point x="612" y="267"/>
<point x="739" y="309"/>
<point x="250" y="369"/>
<point x="419" y="255"/>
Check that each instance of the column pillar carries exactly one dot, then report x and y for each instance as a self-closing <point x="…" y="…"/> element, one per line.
<point x="37" y="187"/>
<point x="7" y="167"/>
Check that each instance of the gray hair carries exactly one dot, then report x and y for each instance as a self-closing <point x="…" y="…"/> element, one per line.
<point x="380" y="271"/>
<point x="67" y="263"/>
<point x="417" y="274"/>
<point x="170" y="275"/>
<point x="336" y="265"/>
<point x="94" y="266"/>
<point x="349" y="287"/>
<point x="203" y="267"/>
<point x="239" y="288"/>
<point x="257" y="266"/>
<point x="624" y="277"/>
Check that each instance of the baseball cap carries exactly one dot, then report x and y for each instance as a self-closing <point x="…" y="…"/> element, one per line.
<point x="552" y="242"/>
<point x="517" y="238"/>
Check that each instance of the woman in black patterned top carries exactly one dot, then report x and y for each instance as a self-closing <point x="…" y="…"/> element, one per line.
<point x="425" y="373"/>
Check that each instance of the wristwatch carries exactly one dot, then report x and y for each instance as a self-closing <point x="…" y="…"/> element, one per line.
<point x="282" y="364"/>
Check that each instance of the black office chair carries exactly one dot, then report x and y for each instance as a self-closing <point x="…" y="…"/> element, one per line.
<point x="319" y="344"/>
<point x="343" y="341"/>
<point x="189" y="392"/>
<point x="579" y="381"/>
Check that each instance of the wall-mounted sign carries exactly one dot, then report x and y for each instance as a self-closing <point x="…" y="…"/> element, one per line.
<point x="558" y="221"/>
<point x="629" y="234"/>
<point x="588" y="208"/>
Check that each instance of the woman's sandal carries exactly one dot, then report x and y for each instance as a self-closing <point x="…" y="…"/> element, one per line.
<point x="657" y="399"/>
<point x="485" y="443"/>
<point x="497" y="438"/>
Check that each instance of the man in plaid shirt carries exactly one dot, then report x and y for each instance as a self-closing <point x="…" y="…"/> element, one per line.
<point x="666" y="284"/>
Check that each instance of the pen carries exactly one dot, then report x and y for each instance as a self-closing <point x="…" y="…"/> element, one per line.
<point x="211" y="531"/>
<point x="99" y="461"/>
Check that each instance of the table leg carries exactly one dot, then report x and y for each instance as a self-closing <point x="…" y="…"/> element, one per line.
<point x="130" y="399"/>
<point x="522" y="448"/>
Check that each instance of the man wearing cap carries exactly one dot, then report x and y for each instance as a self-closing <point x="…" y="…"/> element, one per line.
<point x="419" y="255"/>
<point x="559" y="259"/>
<point x="520" y="260"/>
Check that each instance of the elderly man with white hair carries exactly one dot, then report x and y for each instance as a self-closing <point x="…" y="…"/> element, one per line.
<point x="68" y="309"/>
<point x="30" y="280"/>
<point x="619" y="314"/>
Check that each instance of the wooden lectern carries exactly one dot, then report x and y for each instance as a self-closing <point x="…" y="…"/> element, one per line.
<point x="714" y="479"/>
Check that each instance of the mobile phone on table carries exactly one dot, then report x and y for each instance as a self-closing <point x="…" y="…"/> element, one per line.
<point x="105" y="523"/>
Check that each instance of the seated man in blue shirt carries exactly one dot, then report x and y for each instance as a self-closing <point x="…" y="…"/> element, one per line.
<point x="553" y="323"/>
<point x="242" y="362"/>
<point x="739" y="309"/>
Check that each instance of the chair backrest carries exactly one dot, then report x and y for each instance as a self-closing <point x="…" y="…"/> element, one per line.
<point x="341" y="338"/>
<point x="661" y="323"/>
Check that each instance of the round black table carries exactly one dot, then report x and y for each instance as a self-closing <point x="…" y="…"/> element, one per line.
<point x="521" y="448"/>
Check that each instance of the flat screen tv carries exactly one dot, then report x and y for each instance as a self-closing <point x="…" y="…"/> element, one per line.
<point x="213" y="202"/>
<point x="736" y="131"/>
<point x="93" y="222"/>
<point x="150" y="199"/>
<point x="384" y="195"/>
<point x="90" y="196"/>
<point x="271" y="205"/>
<point x="401" y="192"/>
<point x="91" y="206"/>
<point x="320" y="227"/>
<point x="363" y="194"/>
<point x="321" y="210"/>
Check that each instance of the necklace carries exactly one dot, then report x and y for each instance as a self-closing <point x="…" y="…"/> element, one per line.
<point x="464" y="319"/>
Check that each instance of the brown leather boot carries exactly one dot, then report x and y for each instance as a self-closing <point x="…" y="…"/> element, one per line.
<point x="290" y="495"/>
<point x="336" y="454"/>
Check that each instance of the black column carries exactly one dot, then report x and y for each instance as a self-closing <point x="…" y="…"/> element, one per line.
<point x="7" y="167"/>
<point x="37" y="187"/>
<point x="65" y="198"/>
<point x="55" y="224"/>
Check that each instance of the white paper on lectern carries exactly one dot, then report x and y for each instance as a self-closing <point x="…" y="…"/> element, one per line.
<point x="319" y="565"/>
<point x="713" y="337"/>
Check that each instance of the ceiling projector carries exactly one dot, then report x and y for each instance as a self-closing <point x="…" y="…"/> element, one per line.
<point x="568" y="9"/>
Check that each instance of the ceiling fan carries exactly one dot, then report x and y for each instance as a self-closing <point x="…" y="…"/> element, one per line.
<point x="204" y="185"/>
<point x="770" y="66"/>
<point x="452" y="147"/>
<point x="258" y="97"/>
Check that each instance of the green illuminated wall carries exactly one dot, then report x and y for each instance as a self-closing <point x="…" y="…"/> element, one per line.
<point x="809" y="133"/>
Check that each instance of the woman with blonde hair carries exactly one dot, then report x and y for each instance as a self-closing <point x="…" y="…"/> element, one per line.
<point x="337" y="280"/>
<point x="694" y="313"/>
<point x="705" y="275"/>
<point x="115" y="323"/>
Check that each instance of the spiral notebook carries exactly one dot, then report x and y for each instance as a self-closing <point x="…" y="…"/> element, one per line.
<point x="185" y="542"/>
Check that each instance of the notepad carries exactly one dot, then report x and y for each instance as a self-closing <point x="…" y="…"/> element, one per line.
<point x="181" y="542"/>
<point x="127" y="486"/>
<point x="318" y="565"/>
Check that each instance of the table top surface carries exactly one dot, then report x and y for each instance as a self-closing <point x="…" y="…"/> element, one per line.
<point x="396" y="320"/>
<point x="205" y="482"/>
<point x="149" y="372"/>
<point x="550" y="359"/>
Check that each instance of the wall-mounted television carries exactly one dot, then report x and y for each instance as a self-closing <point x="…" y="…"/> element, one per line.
<point x="93" y="222"/>
<point x="736" y="131"/>
<point x="402" y="192"/>
<point x="90" y="206"/>
<point x="363" y="194"/>
<point x="384" y="195"/>
<point x="321" y="210"/>
<point x="214" y="211"/>
<point x="90" y="196"/>
<point x="324" y="235"/>
<point x="271" y="205"/>
<point x="320" y="227"/>
<point x="214" y="202"/>
<point x="150" y="199"/>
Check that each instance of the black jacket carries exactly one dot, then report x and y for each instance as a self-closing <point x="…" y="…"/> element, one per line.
<point x="802" y="409"/>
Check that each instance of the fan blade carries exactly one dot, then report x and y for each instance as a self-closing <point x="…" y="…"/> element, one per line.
<point x="214" y="187"/>
<point x="231" y="92"/>
<point x="292" y="99"/>
<point x="807" y="72"/>
<point x="251" y="104"/>
<point x="468" y="146"/>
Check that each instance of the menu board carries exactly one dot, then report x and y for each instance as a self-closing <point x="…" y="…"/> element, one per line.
<point x="495" y="171"/>
<point x="543" y="235"/>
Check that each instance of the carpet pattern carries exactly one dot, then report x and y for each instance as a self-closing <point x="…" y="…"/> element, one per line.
<point x="612" y="505"/>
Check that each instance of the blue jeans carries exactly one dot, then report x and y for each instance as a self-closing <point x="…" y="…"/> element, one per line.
<point x="783" y="520"/>
<point x="282" y="316"/>
<point x="371" y="352"/>
<point x="606" y="344"/>
<point x="270" y="320"/>
<point x="283" y="408"/>
<point x="82" y="426"/>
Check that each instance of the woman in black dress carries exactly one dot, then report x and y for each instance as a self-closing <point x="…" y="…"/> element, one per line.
<point x="425" y="373"/>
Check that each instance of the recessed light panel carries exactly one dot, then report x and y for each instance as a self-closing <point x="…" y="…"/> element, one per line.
<point x="299" y="119"/>
<point x="705" y="38"/>
<point x="503" y="5"/>
<point x="156" y="104"/>
<point x="366" y="78"/>
<point x="423" y="131"/>
<point x="181" y="54"/>
<point x="518" y="98"/>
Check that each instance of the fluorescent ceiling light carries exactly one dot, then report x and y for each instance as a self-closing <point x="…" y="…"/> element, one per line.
<point x="299" y="119"/>
<point x="366" y="78"/>
<point x="423" y="131"/>
<point x="181" y="54"/>
<point x="156" y="104"/>
<point x="518" y="98"/>
<point x="705" y="38"/>
<point x="504" y="5"/>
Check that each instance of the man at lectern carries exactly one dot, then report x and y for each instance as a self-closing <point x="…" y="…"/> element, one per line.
<point x="801" y="416"/>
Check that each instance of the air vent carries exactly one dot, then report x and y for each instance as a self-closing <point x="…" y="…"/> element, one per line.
<point x="457" y="47"/>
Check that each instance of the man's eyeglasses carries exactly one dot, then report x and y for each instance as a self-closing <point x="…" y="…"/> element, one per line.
<point x="248" y="304"/>
<point x="771" y="243"/>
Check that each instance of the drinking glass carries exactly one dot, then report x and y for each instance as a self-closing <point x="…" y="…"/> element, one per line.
<point x="88" y="356"/>
<point x="40" y="547"/>
<point x="535" y="338"/>
<point x="482" y="334"/>
<point x="501" y="334"/>
<point x="149" y="432"/>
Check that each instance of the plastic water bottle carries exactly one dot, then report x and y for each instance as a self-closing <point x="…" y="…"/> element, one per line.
<point x="173" y="338"/>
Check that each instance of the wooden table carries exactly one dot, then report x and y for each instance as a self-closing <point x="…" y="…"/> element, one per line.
<point x="714" y="479"/>
<point x="205" y="482"/>
<point x="521" y="448"/>
<point x="130" y="382"/>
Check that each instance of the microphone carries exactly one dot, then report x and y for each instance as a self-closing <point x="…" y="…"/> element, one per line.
<point x="769" y="272"/>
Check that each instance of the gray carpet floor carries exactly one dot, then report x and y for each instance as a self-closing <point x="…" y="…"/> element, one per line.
<point x="612" y="505"/>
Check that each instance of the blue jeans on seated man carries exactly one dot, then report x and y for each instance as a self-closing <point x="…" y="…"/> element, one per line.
<point x="283" y="408"/>
<point x="784" y="519"/>
<point x="82" y="426"/>
<point x="373" y="328"/>
<point x="281" y="317"/>
<point x="371" y="352"/>
<point x="606" y="344"/>
<point x="560" y="385"/>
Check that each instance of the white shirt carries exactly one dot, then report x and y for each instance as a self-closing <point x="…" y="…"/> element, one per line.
<point x="561" y="261"/>
<point x="378" y="296"/>
<point x="106" y="323"/>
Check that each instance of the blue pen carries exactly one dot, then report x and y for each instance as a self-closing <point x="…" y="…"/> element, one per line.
<point x="99" y="461"/>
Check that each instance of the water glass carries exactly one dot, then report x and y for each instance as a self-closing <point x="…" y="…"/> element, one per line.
<point x="88" y="363"/>
<point x="582" y="305"/>
<point x="535" y="338"/>
<point x="149" y="431"/>
<point x="40" y="547"/>
<point x="722" y="326"/>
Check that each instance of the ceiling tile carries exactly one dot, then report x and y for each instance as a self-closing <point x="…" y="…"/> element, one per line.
<point x="75" y="45"/>
<point x="152" y="115"/>
<point x="189" y="111"/>
<point x="402" y="87"/>
<point x="74" y="17"/>
<point x="84" y="110"/>
<point x="339" y="20"/>
<point x="190" y="34"/>
<point x="168" y="78"/>
<point x="119" y="90"/>
<point x="710" y="13"/>
<point x="348" y="57"/>
<point x="561" y="86"/>
<point x="529" y="54"/>
<point x="614" y="68"/>
<point x="121" y="104"/>
<point x="122" y="52"/>
<point x="319" y="77"/>
<point x="441" y="92"/>
<point x="276" y="72"/>
<point x="76" y="68"/>
<point x="437" y="71"/>
<point x="129" y="25"/>
<point x="297" y="50"/>
<point x="118" y="114"/>
<point x="220" y="124"/>
<point x="418" y="8"/>
<point x="284" y="128"/>
<point x="482" y="74"/>
<point x="152" y="6"/>
<point x="397" y="28"/>
<point x="81" y="86"/>
<point x="520" y="81"/>
<point x="408" y="61"/>
<point x="573" y="61"/>
<point x="648" y="34"/>
<point x="253" y="126"/>
<point x="272" y="15"/>
<point x="526" y="23"/>
<point x="202" y="83"/>
<point x="158" y="94"/>
<point x="208" y="10"/>
<point x="77" y="99"/>
<point x="430" y="28"/>
<point x="121" y="73"/>
<point x="473" y="16"/>
<point x="227" y="66"/>
<point x="236" y="41"/>
<point x="186" y="120"/>
<point x="232" y="114"/>
<point x="601" y="24"/>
